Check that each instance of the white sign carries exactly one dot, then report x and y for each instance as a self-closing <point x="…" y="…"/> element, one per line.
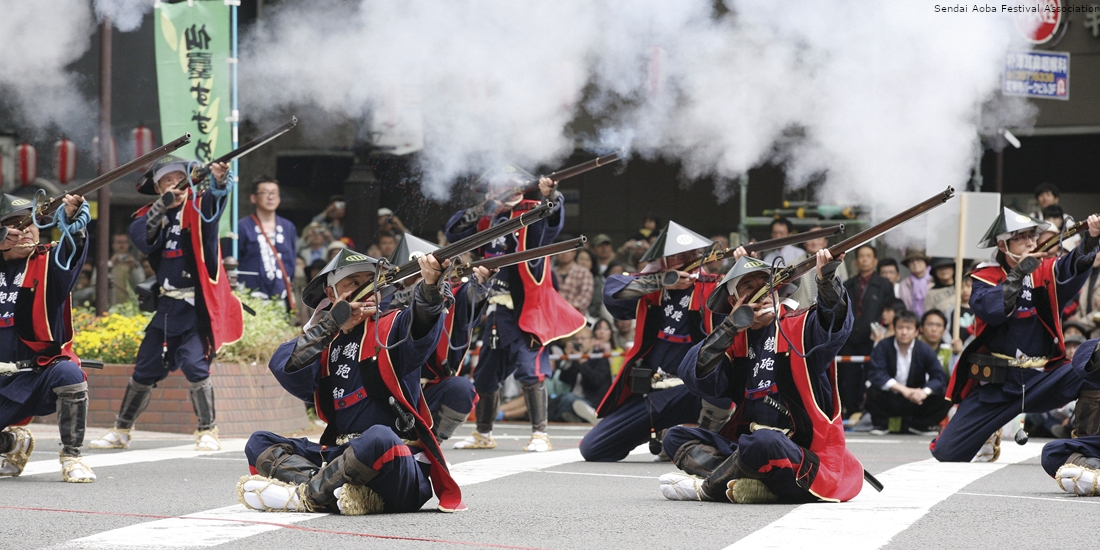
<point x="943" y="226"/>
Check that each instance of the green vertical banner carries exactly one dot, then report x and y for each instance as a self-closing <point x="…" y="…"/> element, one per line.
<point x="192" y="48"/>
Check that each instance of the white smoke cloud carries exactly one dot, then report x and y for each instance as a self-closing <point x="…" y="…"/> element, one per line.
<point x="125" y="15"/>
<point x="883" y="101"/>
<point x="38" y="40"/>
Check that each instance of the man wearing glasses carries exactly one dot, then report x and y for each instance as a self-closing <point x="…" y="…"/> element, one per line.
<point x="266" y="246"/>
<point x="1017" y="360"/>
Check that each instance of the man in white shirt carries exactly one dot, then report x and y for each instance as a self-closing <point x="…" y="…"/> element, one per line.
<point x="907" y="381"/>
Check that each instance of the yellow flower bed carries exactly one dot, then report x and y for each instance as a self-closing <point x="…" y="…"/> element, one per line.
<point x="116" y="336"/>
<point x="113" y="338"/>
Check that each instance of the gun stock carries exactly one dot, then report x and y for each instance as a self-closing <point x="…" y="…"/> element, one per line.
<point x="462" y="271"/>
<point x="1054" y="240"/>
<point x="791" y="273"/>
<point x="393" y="274"/>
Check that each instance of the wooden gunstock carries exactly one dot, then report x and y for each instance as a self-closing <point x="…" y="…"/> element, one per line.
<point x="199" y="174"/>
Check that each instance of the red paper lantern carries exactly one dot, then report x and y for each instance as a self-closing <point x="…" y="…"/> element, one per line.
<point x="64" y="160"/>
<point x="112" y="159"/>
<point x="27" y="165"/>
<point x="143" y="140"/>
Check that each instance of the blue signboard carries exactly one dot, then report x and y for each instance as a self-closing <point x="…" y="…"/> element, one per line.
<point x="1037" y="74"/>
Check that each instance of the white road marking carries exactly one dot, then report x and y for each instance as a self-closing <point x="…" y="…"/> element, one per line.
<point x="871" y="519"/>
<point x="1068" y="498"/>
<point x="96" y="459"/>
<point x="488" y="469"/>
<point x="597" y="475"/>
<point x="202" y="529"/>
<point x="217" y="526"/>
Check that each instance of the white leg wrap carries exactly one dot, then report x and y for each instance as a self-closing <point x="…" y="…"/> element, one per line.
<point x="13" y="462"/>
<point x="681" y="486"/>
<point x="270" y="495"/>
<point x="991" y="449"/>
<point x="1079" y="480"/>
<point x="116" y="438"/>
<point x="207" y="440"/>
<point x="74" y="470"/>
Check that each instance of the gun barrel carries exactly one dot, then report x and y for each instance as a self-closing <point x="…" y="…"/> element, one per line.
<point x="584" y="167"/>
<point x="1065" y="234"/>
<point x="103" y="180"/>
<point x="481" y="238"/>
<point x="517" y="257"/>
<point x="201" y="172"/>
<point x="790" y="273"/>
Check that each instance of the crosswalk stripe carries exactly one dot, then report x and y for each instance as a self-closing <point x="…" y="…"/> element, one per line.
<point x="870" y="520"/>
<point x="227" y="524"/>
<point x="103" y="460"/>
<point x="201" y="529"/>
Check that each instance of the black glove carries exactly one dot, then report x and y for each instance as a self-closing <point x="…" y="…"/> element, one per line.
<point x="155" y="221"/>
<point x="1015" y="281"/>
<point x="640" y="286"/>
<point x="313" y="342"/>
<point x="714" y="347"/>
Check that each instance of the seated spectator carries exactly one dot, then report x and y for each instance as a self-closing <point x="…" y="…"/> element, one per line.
<point x="1046" y="194"/>
<point x="719" y="267"/>
<point x="782" y="227"/>
<point x="332" y="218"/>
<point x="591" y="376"/>
<point x="604" y="252"/>
<point x="907" y="381"/>
<point x="84" y="292"/>
<point x="888" y="269"/>
<point x="884" y="328"/>
<point x="334" y="248"/>
<point x="606" y="341"/>
<point x="314" y="240"/>
<point x="942" y="294"/>
<point x="624" y="331"/>
<point x="575" y="283"/>
<point x="126" y="270"/>
<point x="649" y="228"/>
<point x="933" y="325"/>
<point x="806" y="293"/>
<point x="387" y="243"/>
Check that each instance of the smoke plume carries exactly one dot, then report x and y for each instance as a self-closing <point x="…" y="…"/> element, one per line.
<point x="39" y="39"/>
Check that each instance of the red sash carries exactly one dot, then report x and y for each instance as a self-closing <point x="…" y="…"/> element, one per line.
<point x="40" y="335"/>
<point x="222" y="308"/>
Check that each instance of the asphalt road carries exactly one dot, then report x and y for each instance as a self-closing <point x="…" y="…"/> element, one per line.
<point x="549" y="501"/>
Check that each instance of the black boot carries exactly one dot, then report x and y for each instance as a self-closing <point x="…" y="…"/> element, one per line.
<point x="729" y="470"/>
<point x="202" y="399"/>
<point x="134" y="402"/>
<point x="280" y="462"/>
<point x="314" y="341"/>
<point x="697" y="458"/>
<point x="320" y="490"/>
<point x="486" y="411"/>
<point x="537" y="405"/>
<point x="445" y="421"/>
<point x="72" y="416"/>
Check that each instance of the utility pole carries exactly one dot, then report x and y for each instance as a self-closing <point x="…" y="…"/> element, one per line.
<point x="103" y="228"/>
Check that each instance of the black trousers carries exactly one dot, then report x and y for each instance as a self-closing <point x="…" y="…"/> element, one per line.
<point x="850" y="384"/>
<point x="884" y="404"/>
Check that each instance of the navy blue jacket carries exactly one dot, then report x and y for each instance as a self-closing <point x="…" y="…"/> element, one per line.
<point x="924" y="363"/>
